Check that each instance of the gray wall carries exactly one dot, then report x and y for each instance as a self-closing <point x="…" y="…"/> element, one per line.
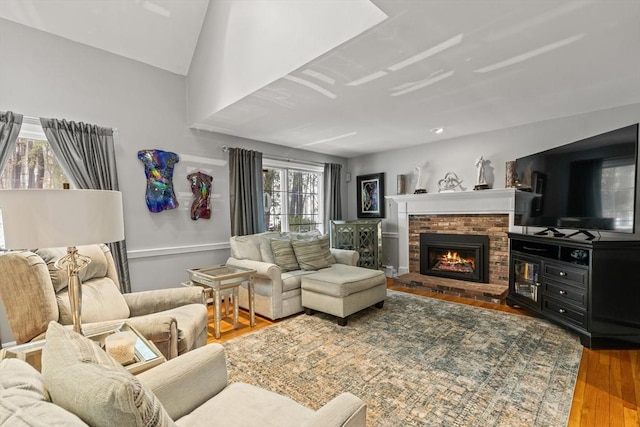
<point x="48" y="76"/>
<point x="459" y="154"/>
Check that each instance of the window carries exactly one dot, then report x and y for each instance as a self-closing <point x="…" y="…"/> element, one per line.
<point x="292" y="196"/>
<point x="617" y="187"/>
<point x="32" y="165"/>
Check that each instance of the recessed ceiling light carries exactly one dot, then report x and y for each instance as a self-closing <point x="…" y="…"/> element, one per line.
<point x="437" y="130"/>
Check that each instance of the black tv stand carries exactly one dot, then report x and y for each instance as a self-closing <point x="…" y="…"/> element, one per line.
<point x="587" y="286"/>
<point x="585" y="232"/>
<point x="555" y="232"/>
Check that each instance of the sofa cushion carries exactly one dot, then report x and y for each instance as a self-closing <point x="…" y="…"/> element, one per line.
<point x="242" y="404"/>
<point x="85" y="380"/>
<point x="24" y="400"/>
<point x="309" y="254"/>
<point x="98" y="266"/>
<point x="283" y="255"/>
<point x="291" y="279"/>
<point x="101" y="301"/>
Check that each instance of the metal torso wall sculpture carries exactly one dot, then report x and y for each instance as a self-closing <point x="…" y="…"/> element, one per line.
<point x="201" y="189"/>
<point x="158" y="168"/>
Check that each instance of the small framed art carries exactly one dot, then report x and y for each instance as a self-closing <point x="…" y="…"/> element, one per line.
<point x="370" y="195"/>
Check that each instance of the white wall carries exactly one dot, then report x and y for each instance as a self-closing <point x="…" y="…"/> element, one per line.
<point x="459" y="154"/>
<point x="48" y="76"/>
<point x="245" y="46"/>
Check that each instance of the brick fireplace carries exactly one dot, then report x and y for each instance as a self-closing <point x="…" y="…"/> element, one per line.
<point x="488" y="213"/>
<point x="495" y="226"/>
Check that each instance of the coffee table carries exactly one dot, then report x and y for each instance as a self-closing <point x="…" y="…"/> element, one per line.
<point x="221" y="278"/>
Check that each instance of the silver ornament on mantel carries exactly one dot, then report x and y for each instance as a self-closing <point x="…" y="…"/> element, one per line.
<point x="449" y="183"/>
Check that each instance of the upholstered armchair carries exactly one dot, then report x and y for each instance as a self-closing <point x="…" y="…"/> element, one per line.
<point x="34" y="293"/>
<point x="81" y="385"/>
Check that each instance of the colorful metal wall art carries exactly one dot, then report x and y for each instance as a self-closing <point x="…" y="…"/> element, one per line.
<point x="201" y="189"/>
<point x="158" y="168"/>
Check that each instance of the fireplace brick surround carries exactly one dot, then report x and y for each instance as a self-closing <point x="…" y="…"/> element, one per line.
<point x="487" y="212"/>
<point x="495" y="226"/>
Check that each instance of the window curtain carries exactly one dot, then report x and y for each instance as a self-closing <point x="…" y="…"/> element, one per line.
<point x="246" y="192"/>
<point x="10" y="124"/>
<point x="87" y="155"/>
<point x="332" y="194"/>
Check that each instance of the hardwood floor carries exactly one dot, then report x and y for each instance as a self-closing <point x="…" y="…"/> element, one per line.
<point x="607" y="391"/>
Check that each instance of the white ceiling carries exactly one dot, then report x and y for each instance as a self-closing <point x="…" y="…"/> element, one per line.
<point x="467" y="66"/>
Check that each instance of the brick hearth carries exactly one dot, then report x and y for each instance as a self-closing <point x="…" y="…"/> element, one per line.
<point x="459" y="288"/>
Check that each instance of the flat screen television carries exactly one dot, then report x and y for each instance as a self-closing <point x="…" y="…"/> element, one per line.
<point x="588" y="185"/>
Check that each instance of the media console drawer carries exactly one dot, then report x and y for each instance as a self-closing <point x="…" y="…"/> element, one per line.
<point x="565" y="313"/>
<point x="569" y="294"/>
<point x="578" y="277"/>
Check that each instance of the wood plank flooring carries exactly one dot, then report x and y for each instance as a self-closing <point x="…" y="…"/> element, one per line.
<point x="607" y="391"/>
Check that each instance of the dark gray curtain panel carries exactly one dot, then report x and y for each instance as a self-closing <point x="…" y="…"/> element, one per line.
<point x="87" y="154"/>
<point x="246" y="192"/>
<point x="10" y="124"/>
<point x="332" y="194"/>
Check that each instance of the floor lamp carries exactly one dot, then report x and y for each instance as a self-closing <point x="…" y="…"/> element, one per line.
<point x="34" y="219"/>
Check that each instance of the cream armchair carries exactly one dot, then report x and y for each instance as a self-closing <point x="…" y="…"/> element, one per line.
<point x="81" y="385"/>
<point x="33" y="293"/>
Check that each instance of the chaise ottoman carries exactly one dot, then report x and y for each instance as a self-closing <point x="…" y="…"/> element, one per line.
<point x="342" y="290"/>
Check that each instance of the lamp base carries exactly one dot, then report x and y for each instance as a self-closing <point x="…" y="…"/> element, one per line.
<point x="73" y="262"/>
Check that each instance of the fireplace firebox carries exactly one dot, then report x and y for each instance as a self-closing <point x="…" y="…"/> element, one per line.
<point x="455" y="256"/>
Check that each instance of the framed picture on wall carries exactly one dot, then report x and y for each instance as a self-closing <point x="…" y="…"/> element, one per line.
<point x="370" y="195"/>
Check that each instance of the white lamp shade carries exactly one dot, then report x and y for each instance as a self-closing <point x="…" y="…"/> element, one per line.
<point x="55" y="218"/>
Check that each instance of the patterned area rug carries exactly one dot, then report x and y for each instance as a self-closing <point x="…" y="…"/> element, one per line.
<point x="419" y="361"/>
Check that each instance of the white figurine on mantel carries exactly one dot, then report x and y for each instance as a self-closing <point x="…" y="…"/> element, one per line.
<point x="481" y="182"/>
<point x="422" y="177"/>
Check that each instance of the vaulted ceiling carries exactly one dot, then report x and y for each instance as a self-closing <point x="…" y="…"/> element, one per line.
<point x="464" y="66"/>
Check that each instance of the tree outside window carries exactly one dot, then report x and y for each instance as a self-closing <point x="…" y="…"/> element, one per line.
<point x="292" y="198"/>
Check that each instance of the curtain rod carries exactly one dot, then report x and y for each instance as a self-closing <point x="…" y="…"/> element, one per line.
<point x="36" y="121"/>
<point x="284" y="159"/>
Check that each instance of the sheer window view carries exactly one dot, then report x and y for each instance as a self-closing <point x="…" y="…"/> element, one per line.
<point x="292" y="199"/>
<point x="32" y="165"/>
<point x="618" y="183"/>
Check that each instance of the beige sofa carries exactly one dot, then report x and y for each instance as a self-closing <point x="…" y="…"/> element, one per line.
<point x="282" y="271"/>
<point x="34" y="293"/>
<point x="81" y="385"/>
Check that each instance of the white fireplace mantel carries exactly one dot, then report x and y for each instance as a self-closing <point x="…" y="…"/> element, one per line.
<point x="498" y="201"/>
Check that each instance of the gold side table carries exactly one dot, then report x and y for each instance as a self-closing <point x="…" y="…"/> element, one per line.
<point x="221" y="278"/>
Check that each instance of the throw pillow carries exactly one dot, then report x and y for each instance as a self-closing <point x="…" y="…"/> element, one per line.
<point x="86" y="381"/>
<point x="245" y="247"/>
<point x="283" y="255"/>
<point x="309" y="254"/>
<point x="324" y="245"/>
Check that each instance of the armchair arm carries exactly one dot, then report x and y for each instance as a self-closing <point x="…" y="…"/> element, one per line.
<point x="147" y="302"/>
<point x="161" y="330"/>
<point x="345" y="256"/>
<point x="186" y="382"/>
<point x="266" y="269"/>
<point x="345" y="410"/>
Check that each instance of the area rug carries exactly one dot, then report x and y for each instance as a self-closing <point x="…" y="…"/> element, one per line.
<point x="419" y="362"/>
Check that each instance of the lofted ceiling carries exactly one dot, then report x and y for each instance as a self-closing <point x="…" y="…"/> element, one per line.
<point x="466" y="66"/>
